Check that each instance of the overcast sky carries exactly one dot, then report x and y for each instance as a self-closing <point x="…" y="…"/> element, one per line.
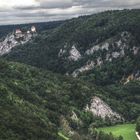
<point x="26" y="11"/>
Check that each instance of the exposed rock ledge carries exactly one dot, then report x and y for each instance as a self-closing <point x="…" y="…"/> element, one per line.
<point x="99" y="108"/>
<point x="89" y="66"/>
<point x="16" y="38"/>
<point x="137" y="135"/>
<point x="74" y="54"/>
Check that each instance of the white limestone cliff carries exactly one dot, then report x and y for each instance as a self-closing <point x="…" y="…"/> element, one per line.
<point x="99" y="108"/>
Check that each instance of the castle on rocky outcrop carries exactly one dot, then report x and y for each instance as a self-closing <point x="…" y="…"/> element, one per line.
<point x="19" y="34"/>
<point x="16" y="38"/>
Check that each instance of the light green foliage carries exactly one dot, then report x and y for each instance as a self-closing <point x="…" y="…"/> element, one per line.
<point x="127" y="131"/>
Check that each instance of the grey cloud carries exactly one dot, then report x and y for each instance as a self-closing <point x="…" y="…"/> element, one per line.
<point x="64" y="4"/>
<point x="26" y="7"/>
<point x="56" y="4"/>
<point x="48" y="10"/>
<point x="52" y="4"/>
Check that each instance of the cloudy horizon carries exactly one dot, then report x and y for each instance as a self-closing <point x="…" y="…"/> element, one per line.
<point x="29" y="11"/>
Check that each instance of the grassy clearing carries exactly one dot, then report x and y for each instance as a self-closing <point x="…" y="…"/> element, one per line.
<point x="125" y="130"/>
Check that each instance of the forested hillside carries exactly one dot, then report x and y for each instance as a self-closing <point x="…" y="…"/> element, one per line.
<point x="92" y="47"/>
<point x="71" y="77"/>
<point x="39" y="104"/>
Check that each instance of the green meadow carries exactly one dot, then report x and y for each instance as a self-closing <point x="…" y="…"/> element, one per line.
<point x="125" y="130"/>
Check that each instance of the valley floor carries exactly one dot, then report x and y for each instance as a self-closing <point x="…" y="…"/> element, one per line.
<point x="125" y="130"/>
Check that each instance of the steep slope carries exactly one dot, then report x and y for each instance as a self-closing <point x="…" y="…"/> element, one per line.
<point x="14" y="35"/>
<point x="37" y="104"/>
<point x="86" y="45"/>
<point x="101" y="49"/>
<point x="14" y="39"/>
<point x="32" y="101"/>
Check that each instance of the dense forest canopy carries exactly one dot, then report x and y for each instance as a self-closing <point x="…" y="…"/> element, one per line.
<point x="41" y="98"/>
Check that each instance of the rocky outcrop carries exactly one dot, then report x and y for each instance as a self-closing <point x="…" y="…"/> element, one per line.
<point x="14" y="39"/>
<point x="87" y="67"/>
<point x="137" y="135"/>
<point x="74" y="54"/>
<point x="99" y="108"/>
<point x="104" y="46"/>
<point x="107" y="51"/>
<point x="8" y="44"/>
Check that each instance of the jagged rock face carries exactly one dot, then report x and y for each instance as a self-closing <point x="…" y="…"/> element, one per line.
<point x="104" y="46"/>
<point x="99" y="108"/>
<point x="113" y="48"/>
<point x="8" y="44"/>
<point x="12" y="40"/>
<point x="87" y="67"/>
<point x="108" y="51"/>
<point x="74" y="54"/>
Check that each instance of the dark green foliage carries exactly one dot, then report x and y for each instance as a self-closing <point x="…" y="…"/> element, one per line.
<point x="84" y="32"/>
<point x="128" y="97"/>
<point x="33" y="101"/>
